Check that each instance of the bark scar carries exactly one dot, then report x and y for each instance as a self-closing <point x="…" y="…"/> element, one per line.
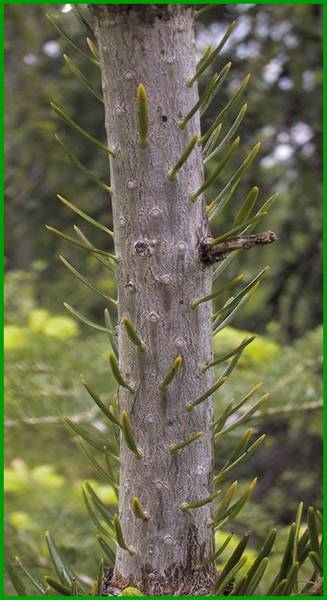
<point x="143" y="248"/>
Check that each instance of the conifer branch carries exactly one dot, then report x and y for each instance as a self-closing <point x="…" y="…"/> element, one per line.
<point x="86" y="244"/>
<point x="120" y="536"/>
<point x="70" y="41"/>
<point x="214" y="206"/>
<point x="213" y="557"/>
<point x="192" y="438"/>
<point x="231" y="409"/>
<point x="210" y="149"/>
<point x="212" y="143"/>
<point x="202" y="101"/>
<point x="227" y="355"/>
<point x="84" y="320"/>
<point x="227" y="108"/>
<point x="132" y="334"/>
<point x="217" y="82"/>
<point x="199" y="503"/>
<point x="204" y="56"/>
<point x="82" y="19"/>
<point x="128" y="434"/>
<point x="138" y="510"/>
<point x="80" y="130"/>
<point x="218" y="292"/>
<point x="78" y="163"/>
<point x="93" y="48"/>
<point x="143" y="115"/>
<point x="203" y="11"/>
<point x="212" y="56"/>
<point x="117" y="373"/>
<point x="81" y="77"/>
<point x="81" y="278"/>
<point x="247" y="206"/>
<point x="182" y="159"/>
<point x="191" y="405"/>
<point x="85" y="216"/>
<point x="170" y="376"/>
<point x="218" y="170"/>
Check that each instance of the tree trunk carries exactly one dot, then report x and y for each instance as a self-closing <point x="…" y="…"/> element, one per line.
<point x="157" y="234"/>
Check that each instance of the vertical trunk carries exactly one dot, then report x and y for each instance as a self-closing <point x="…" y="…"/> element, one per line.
<point x="157" y="233"/>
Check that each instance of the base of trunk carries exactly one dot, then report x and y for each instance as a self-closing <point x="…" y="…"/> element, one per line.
<point x="175" y="582"/>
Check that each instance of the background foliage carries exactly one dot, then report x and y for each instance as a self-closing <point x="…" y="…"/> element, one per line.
<point x="46" y="350"/>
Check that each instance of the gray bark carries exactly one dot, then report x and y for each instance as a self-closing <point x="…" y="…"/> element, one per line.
<point x="154" y="45"/>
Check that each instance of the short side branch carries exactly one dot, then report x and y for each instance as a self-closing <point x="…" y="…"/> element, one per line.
<point x="211" y="252"/>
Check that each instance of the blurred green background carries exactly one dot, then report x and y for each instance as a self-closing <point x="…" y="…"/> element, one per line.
<point x="46" y="350"/>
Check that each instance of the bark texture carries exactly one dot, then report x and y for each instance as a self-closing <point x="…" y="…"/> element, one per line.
<point x="157" y="235"/>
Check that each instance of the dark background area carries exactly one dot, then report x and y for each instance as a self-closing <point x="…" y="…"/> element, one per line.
<point x="281" y="45"/>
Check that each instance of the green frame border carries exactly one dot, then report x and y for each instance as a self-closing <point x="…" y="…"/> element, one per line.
<point x="263" y="2"/>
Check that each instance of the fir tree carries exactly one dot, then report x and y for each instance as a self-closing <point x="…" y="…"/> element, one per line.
<point x="169" y="264"/>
